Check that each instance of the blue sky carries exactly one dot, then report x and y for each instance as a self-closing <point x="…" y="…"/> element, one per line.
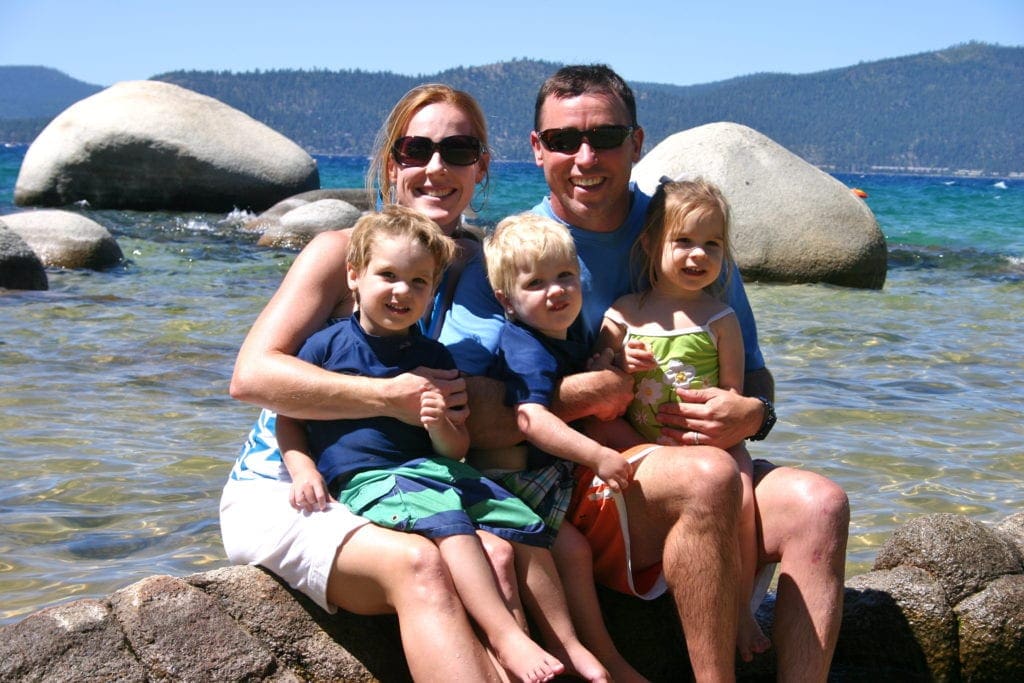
<point x="671" y="41"/>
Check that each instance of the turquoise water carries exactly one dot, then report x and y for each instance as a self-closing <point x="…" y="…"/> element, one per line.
<point x="118" y="431"/>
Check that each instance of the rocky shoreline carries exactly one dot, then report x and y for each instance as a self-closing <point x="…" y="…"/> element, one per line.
<point x="944" y="602"/>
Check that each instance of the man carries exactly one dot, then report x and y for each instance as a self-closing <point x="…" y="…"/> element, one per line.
<point x="683" y="503"/>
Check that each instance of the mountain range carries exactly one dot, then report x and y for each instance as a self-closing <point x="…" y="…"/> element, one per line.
<point x="958" y="110"/>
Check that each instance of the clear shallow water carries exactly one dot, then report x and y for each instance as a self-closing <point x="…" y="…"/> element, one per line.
<point x="118" y="432"/>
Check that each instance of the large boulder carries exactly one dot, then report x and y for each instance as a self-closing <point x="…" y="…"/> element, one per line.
<point x="150" y="145"/>
<point x="20" y="267"/>
<point x="962" y="554"/>
<point x="63" y="239"/>
<point x="791" y="221"/>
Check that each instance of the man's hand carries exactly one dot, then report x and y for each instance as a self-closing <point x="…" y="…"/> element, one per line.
<point x="711" y="417"/>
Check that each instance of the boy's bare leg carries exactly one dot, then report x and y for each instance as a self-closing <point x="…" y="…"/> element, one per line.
<point x="502" y="559"/>
<point x="545" y="599"/>
<point x="750" y="639"/>
<point x="474" y="580"/>
<point x="574" y="560"/>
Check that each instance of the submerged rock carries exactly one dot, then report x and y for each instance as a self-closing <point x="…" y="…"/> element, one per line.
<point x="149" y="145"/>
<point x="791" y="222"/>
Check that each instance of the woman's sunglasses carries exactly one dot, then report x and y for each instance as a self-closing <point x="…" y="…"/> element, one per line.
<point x="457" y="150"/>
<point x="568" y="140"/>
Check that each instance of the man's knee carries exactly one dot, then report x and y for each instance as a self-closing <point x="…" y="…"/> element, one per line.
<point x="707" y="475"/>
<point x="832" y="503"/>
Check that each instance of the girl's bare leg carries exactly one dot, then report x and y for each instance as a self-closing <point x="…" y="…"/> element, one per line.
<point x="574" y="560"/>
<point x="474" y="580"/>
<point x="545" y="599"/>
<point x="381" y="571"/>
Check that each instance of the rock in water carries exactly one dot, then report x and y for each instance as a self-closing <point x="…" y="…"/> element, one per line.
<point x="20" y="267"/>
<point x="149" y="145"/>
<point x="791" y="222"/>
<point x="62" y="239"/>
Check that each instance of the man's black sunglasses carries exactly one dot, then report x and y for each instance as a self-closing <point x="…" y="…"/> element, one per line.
<point x="568" y="140"/>
<point x="457" y="150"/>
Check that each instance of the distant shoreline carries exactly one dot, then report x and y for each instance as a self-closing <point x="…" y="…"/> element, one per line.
<point x="937" y="172"/>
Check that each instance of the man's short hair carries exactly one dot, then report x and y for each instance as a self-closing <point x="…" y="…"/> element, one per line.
<point x="585" y="79"/>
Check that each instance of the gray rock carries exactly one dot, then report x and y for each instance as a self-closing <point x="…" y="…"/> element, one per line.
<point x="76" y="641"/>
<point x="339" y="647"/>
<point x="63" y="239"/>
<point x="298" y="226"/>
<point x="992" y="632"/>
<point x="20" y="267"/>
<point x="1013" y="528"/>
<point x="902" y="617"/>
<point x="962" y="554"/>
<point x="150" y="145"/>
<point x="355" y="196"/>
<point x="180" y="633"/>
<point x="791" y="221"/>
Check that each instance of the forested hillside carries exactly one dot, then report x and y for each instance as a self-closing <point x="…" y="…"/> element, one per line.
<point x="955" y="109"/>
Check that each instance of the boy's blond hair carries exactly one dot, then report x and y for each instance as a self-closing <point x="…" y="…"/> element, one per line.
<point x="398" y="221"/>
<point x="521" y="240"/>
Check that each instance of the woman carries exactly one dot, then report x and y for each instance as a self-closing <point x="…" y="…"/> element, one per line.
<point x="430" y="155"/>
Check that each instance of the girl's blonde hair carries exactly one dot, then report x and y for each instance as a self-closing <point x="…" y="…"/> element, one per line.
<point x="521" y="240"/>
<point x="672" y="202"/>
<point x="398" y="221"/>
<point x="378" y="180"/>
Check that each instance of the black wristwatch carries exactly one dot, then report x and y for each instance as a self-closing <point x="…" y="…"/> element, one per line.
<point x="767" y="423"/>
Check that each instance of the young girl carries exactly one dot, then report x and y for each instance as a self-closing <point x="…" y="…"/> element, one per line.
<point x="410" y="477"/>
<point x="679" y="334"/>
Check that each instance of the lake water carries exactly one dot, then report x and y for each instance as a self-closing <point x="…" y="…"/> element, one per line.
<point x="118" y="431"/>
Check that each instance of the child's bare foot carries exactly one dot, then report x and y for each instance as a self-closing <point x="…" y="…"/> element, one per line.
<point x="524" y="659"/>
<point x="582" y="662"/>
<point x="750" y="639"/>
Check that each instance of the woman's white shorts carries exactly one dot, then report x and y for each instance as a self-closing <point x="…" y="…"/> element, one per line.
<point x="259" y="526"/>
